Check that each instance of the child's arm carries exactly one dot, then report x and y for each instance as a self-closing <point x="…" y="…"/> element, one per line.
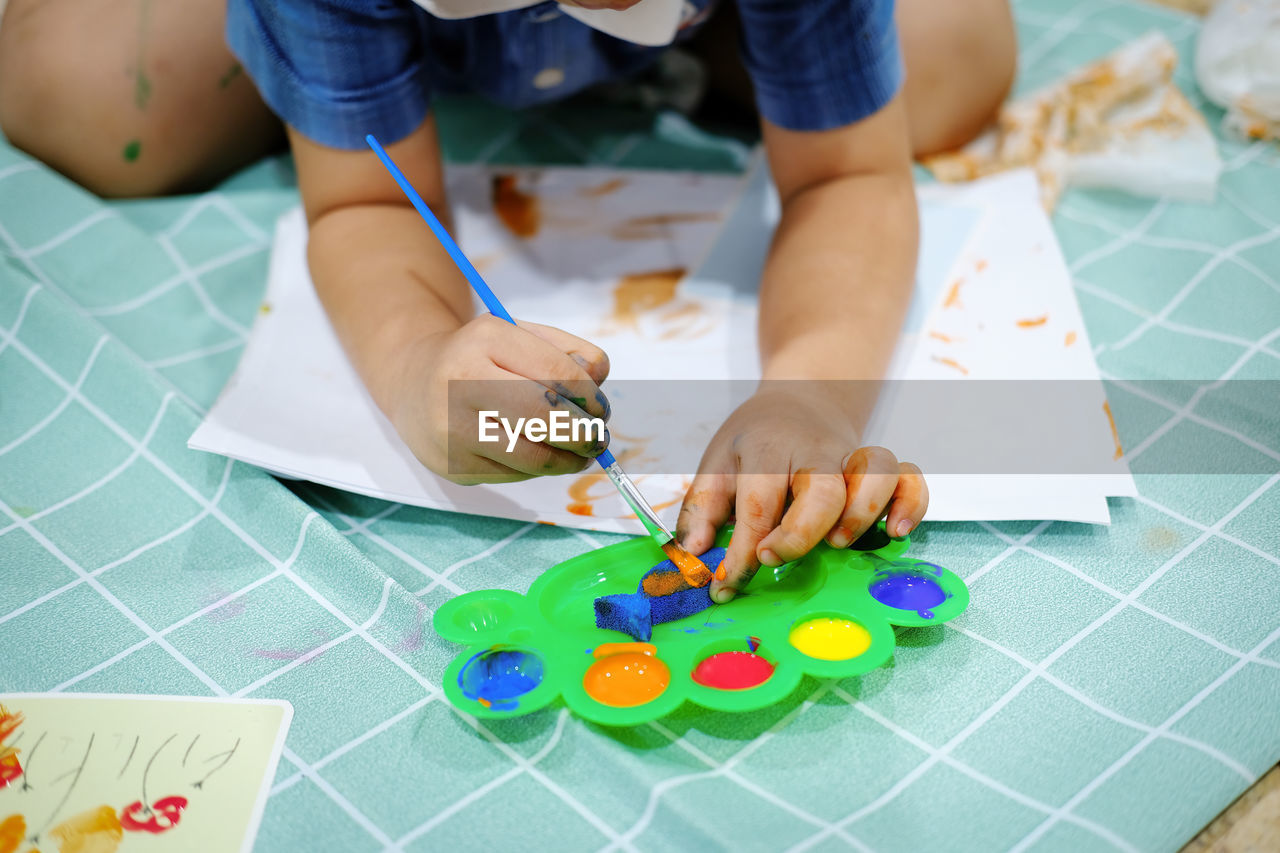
<point x="834" y="293"/>
<point x="404" y="315"/>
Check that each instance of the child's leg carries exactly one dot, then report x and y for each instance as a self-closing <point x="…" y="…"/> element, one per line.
<point x="961" y="59"/>
<point x="129" y="97"/>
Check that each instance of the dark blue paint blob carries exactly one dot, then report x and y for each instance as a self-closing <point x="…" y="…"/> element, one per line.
<point x="496" y="677"/>
<point x="910" y="589"/>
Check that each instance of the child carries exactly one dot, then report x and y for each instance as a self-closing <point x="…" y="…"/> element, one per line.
<point x="839" y="128"/>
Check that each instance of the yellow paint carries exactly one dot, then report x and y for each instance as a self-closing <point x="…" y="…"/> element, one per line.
<point x="827" y="638"/>
<point x="94" y="831"/>
<point x="12" y="830"/>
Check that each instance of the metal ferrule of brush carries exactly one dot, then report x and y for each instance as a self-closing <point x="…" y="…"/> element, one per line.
<point x="636" y="501"/>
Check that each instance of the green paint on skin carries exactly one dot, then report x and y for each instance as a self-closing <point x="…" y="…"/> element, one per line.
<point x="580" y="402"/>
<point x="235" y="71"/>
<point x="142" y="83"/>
<point x="132" y="150"/>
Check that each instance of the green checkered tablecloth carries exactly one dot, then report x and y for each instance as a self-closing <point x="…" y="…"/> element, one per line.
<point x="1108" y="688"/>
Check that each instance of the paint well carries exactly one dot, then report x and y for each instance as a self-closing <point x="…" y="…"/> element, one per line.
<point x="909" y="591"/>
<point x="497" y="677"/>
<point x="830" y="638"/>
<point x="733" y="670"/>
<point x="626" y="680"/>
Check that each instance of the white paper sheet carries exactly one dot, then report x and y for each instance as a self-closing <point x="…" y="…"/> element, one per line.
<point x="296" y="407"/>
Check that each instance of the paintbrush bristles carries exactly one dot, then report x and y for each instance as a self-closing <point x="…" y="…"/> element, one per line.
<point x="694" y="571"/>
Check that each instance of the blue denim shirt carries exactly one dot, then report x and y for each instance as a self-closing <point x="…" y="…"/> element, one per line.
<point x="338" y="69"/>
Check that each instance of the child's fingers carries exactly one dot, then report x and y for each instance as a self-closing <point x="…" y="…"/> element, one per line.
<point x="590" y="357"/>
<point x="533" y="457"/>
<point x="528" y="355"/>
<point x="910" y="500"/>
<point x="818" y="500"/>
<point x="514" y="404"/>
<point x="870" y="476"/>
<point x="760" y="498"/>
<point x="707" y="505"/>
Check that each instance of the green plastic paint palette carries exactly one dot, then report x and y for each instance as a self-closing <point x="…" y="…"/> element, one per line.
<point x="830" y="615"/>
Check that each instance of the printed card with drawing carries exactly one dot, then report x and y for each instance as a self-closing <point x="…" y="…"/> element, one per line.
<point x="99" y="773"/>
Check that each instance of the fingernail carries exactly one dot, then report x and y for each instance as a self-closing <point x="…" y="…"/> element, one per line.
<point x="841" y="537"/>
<point x="904" y="527"/>
<point x="770" y="559"/>
<point x="723" y="595"/>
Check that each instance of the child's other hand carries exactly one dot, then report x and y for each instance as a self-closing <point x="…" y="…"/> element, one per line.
<point x="519" y="372"/>
<point x="779" y="446"/>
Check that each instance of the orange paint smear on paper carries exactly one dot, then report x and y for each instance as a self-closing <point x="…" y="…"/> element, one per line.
<point x="10" y="769"/>
<point x="953" y="295"/>
<point x="581" y="509"/>
<point x="517" y="210"/>
<point x="606" y="188"/>
<point x="93" y="831"/>
<point x="13" y="830"/>
<point x="1069" y="339"/>
<point x="1115" y="433"/>
<point x="980" y="265"/>
<point x="951" y="362"/>
<point x="1032" y="322"/>
<point x="946" y="339"/>
<point x="640" y="292"/>
<point x="484" y="263"/>
<point x="683" y="319"/>
<point x="656" y="227"/>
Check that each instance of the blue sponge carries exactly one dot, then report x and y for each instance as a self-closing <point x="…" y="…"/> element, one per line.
<point x="635" y="614"/>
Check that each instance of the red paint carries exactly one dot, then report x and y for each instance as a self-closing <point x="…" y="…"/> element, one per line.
<point x="164" y="815"/>
<point x="733" y="671"/>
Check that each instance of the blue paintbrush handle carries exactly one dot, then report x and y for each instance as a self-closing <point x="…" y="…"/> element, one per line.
<point x="442" y="234"/>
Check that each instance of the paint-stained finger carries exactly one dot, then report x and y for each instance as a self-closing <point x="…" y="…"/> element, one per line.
<point x="870" y="476"/>
<point x="759" y="502"/>
<point x="910" y="501"/>
<point x="491" y="414"/>
<point x="587" y="355"/>
<point x="707" y="505"/>
<point x="534" y="458"/>
<point x="819" y="499"/>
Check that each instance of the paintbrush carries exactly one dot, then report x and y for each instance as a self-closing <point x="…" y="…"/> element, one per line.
<point x="691" y="568"/>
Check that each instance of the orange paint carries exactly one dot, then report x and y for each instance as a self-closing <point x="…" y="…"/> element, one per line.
<point x="10" y="769"/>
<point x="606" y="188"/>
<point x="695" y="572"/>
<point x="626" y="679"/>
<point x="640" y="292"/>
<point x="656" y="227"/>
<point x="1032" y="322"/>
<point x="980" y="265"/>
<point x="604" y="650"/>
<point x="951" y="362"/>
<point x="93" y="831"/>
<point x="663" y="583"/>
<point x="517" y="210"/>
<point x="1115" y="433"/>
<point x="548" y="523"/>
<point x="12" y="830"/>
<point x="953" y="295"/>
<point x="485" y="702"/>
<point x="581" y="509"/>
<point x="1069" y="339"/>
<point x="946" y="339"/>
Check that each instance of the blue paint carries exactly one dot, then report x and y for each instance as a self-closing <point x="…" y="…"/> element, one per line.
<point x="911" y="588"/>
<point x="496" y="677"/>
<point x="635" y="614"/>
